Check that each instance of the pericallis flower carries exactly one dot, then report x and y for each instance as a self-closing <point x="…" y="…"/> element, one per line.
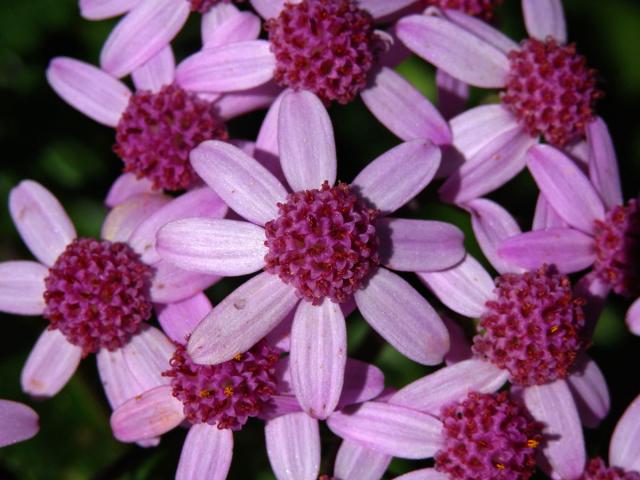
<point x="320" y="246"/>
<point x="549" y="92"/>
<point x="17" y="423"/>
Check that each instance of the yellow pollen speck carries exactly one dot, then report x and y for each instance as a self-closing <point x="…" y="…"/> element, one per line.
<point x="238" y="357"/>
<point x="532" y="443"/>
<point x="554" y="329"/>
<point x="204" y="393"/>
<point x="500" y="466"/>
<point x="228" y="391"/>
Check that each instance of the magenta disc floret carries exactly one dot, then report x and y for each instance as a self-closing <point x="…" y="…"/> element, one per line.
<point x="487" y="436"/>
<point x="327" y="47"/>
<point x="597" y="470"/>
<point x="227" y="394"/>
<point x="534" y="328"/>
<point x="323" y="242"/>
<point x="157" y="132"/>
<point x="550" y="90"/>
<point x="97" y="294"/>
<point x="483" y="9"/>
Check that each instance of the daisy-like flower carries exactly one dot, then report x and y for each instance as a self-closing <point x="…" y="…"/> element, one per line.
<point x="598" y="228"/>
<point x="17" y="423"/>
<point x="548" y="90"/>
<point x="320" y="246"/>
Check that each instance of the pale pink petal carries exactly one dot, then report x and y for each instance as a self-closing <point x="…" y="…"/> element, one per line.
<point x="242" y="319"/>
<point x="545" y="216"/>
<point x="603" y="164"/>
<point x="122" y="220"/>
<point x="243" y="26"/>
<point x="156" y="72"/>
<point x="403" y="317"/>
<point x="228" y="68"/>
<point x="101" y="9"/>
<point x="179" y="319"/>
<point x="17" y="422"/>
<point x="125" y="186"/>
<point x="268" y="8"/>
<point x="423" y="474"/>
<point x="419" y="245"/>
<point x="233" y="104"/>
<point x="590" y="392"/>
<point x="401" y="108"/>
<point x="381" y="9"/>
<point x="280" y="405"/>
<point x="41" y="221"/>
<point x="624" y="449"/>
<point x="465" y="288"/>
<point x="50" y="365"/>
<point x="545" y="18"/>
<point x="206" y="453"/>
<point x="245" y="185"/>
<point x="594" y="291"/>
<point x="362" y="382"/>
<point x="148" y="415"/>
<point x="172" y="284"/>
<point x="491" y="225"/>
<point x="280" y="336"/>
<point x="398" y="175"/>
<point x="217" y="16"/>
<point x="396" y="431"/>
<point x="22" y="287"/>
<point x="455" y="50"/>
<point x="452" y="94"/>
<point x="450" y="384"/>
<point x="293" y="446"/>
<point x="356" y="462"/>
<point x="318" y="355"/>
<point x="482" y="29"/>
<point x="460" y="346"/>
<point x="552" y="404"/>
<point x="266" y="151"/>
<point x="142" y="33"/>
<point x="568" y="249"/>
<point x="565" y="187"/>
<point x="633" y="318"/>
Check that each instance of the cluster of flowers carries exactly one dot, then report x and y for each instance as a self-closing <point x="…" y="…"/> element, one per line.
<point x="194" y="206"/>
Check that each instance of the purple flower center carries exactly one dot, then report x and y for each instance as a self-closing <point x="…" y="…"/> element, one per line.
<point x="597" y="470"/>
<point x="534" y="328"/>
<point x="483" y="9"/>
<point x="550" y="90"/>
<point x="203" y="6"/>
<point x="323" y="243"/>
<point x="324" y="46"/>
<point x="97" y="294"/>
<point x="618" y="249"/>
<point x="487" y="437"/>
<point x="157" y="132"/>
<point x="226" y="394"/>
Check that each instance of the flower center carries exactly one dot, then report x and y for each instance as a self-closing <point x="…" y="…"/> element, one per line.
<point x="597" y="470"/>
<point x="550" y="90"/>
<point x="157" y="132"/>
<point x="324" y="46"/>
<point x="483" y="9"/>
<point x="97" y="294"/>
<point x="534" y="328"/>
<point x="618" y="249"/>
<point x="487" y="437"/>
<point x="323" y="242"/>
<point x="226" y="394"/>
<point x="203" y="6"/>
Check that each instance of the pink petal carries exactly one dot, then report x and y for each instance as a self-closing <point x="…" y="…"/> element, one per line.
<point x="389" y="429"/>
<point x="123" y="220"/>
<point x="101" y="9"/>
<point x="318" y="356"/>
<point x="179" y="319"/>
<point x="453" y="383"/>
<point x="41" y="221"/>
<point x="356" y="462"/>
<point x="22" y="287"/>
<point x="401" y="108"/>
<point x="156" y="72"/>
<point x="228" y="68"/>
<point x="419" y="245"/>
<point x="18" y="421"/>
<point x="590" y="392"/>
<point x="566" y="188"/>
<point x="552" y="404"/>
<point x="403" y="318"/>
<point x="293" y="446"/>
<point x="423" y="474"/>
<point x="172" y="284"/>
<point x="398" y="175"/>
<point x="455" y="50"/>
<point x="242" y="319"/>
<point x="465" y="288"/>
<point x="380" y="9"/>
<point x="142" y="33"/>
<point x="482" y="29"/>
<point x="624" y="449"/>
<point x="362" y="382"/>
<point x="268" y="8"/>
<point x="125" y="186"/>
<point x="280" y="336"/>
<point x="217" y="16"/>
<point x="234" y="104"/>
<point x="149" y="415"/>
<point x="219" y="247"/>
<point x="305" y="141"/>
<point x="281" y="405"/>
<point x="206" y="453"/>
<point x="452" y="94"/>
<point x="545" y="18"/>
<point x="245" y="185"/>
<point x="595" y="291"/>
<point x="50" y="365"/>
<point x="569" y="250"/>
<point x="267" y="152"/>
<point x="460" y="346"/>
<point x="545" y="216"/>
<point x="633" y="318"/>
<point x="603" y="164"/>
<point x="241" y="27"/>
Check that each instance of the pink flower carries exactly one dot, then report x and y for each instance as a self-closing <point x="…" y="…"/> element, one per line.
<point x="17" y="423"/>
<point x="322" y="243"/>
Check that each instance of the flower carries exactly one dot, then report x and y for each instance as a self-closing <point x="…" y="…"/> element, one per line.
<point x="549" y="91"/>
<point x="323" y="244"/>
<point x="17" y="423"/>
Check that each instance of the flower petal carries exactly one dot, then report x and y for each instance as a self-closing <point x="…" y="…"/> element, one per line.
<point x="125" y="186"/>
<point x="633" y="318"/>
<point x="423" y="474"/>
<point x="179" y="319"/>
<point x="293" y="446"/>
<point x="268" y="8"/>
<point x="156" y="72"/>
<point x="50" y="365"/>
<point x="233" y="104"/>
<point x="142" y="33"/>
<point x="603" y="164"/>
<point x="403" y="318"/>
<point x="22" y="287"/>
<point x="206" y="453"/>
<point x="123" y="220"/>
<point x="241" y="27"/>
<point x="101" y="9"/>
<point x="18" y="421"/>
<point x="452" y="94"/>
<point x="482" y="29"/>
<point x="266" y="151"/>
<point x="242" y="319"/>
<point x="217" y="16"/>
<point x="545" y="216"/>
<point x="590" y="392"/>
<point x="362" y="382"/>
<point x="172" y="284"/>
<point x="381" y="9"/>
<point x="545" y="18"/>
<point x="356" y="462"/>
<point x="624" y="449"/>
<point x="398" y="175"/>
<point x="460" y="346"/>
